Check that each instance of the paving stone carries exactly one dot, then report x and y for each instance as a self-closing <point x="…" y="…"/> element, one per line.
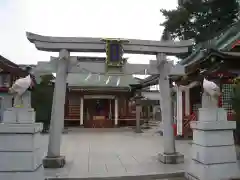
<point x="114" y="154"/>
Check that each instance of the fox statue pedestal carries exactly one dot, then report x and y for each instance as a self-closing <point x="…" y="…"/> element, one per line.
<point x="213" y="154"/>
<point x="21" y="149"/>
<point x="19" y="115"/>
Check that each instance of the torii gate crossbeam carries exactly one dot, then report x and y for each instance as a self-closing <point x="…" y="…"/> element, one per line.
<point x="84" y="44"/>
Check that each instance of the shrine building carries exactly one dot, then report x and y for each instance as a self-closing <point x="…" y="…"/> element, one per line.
<point x="220" y="58"/>
<point x="103" y="101"/>
<point x="94" y="100"/>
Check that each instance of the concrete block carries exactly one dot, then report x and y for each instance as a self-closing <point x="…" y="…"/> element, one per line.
<point x="17" y="128"/>
<point x="208" y="155"/>
<point x="213" y="138"/>
<point x="26" y="115"/>
<point x="213" y="125"/>
<point x="20" y="161"/>
<point x="38" y="174"/>
<point x="9" y="116"/>
<point x="19" y="115"/>
<point x="212" y="114"/>
<point x="176" y="158"/>
<point x="213" y="154"/>
<point x="20" y="148"/>
<point x="20" y="142"/>
<point x="199" y="171"/>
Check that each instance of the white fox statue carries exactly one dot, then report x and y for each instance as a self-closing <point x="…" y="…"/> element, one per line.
<point x="18" y="89"/>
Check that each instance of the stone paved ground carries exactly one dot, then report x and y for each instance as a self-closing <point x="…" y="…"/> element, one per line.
<point x="102" y="153"/>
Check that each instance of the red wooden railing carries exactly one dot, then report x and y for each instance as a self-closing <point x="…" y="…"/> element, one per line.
<point x="187" y="131"/>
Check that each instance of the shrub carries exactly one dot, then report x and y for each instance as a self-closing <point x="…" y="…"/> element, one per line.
<point x="42" y="97"/>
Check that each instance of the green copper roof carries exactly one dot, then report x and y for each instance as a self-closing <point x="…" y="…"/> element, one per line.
<point x="223" y="41"/>
<point x="231" y="35"/>
<point x="94" y="80"/>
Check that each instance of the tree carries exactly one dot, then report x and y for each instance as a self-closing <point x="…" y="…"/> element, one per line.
<point x="42" y="97"/>
<point x="200" y="20"/>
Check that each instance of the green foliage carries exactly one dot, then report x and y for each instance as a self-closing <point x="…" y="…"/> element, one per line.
<point x="199" y="20"/>
<point x="42" y="100"/>
<point x="236" y="105"/>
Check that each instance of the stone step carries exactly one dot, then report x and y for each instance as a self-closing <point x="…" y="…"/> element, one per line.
<point x="170" y="176"/>
<point x="118" y="178"/>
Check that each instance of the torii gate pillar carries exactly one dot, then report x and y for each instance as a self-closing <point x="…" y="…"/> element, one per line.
<point x="169" y="155"/>
<point x="53" y="158"/>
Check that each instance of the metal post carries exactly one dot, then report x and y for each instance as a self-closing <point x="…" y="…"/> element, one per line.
<point x="179" y="112"/>
<point x="138" y="115"/>
<point x="81" y="110"/>
<point x="116" y="112"/>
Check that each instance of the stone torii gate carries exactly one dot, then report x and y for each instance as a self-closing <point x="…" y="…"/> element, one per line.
<point x="65" y="64"/>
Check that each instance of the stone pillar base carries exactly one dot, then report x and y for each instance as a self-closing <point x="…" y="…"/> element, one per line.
<point x="54" y="162"/>
<point x="175" y="158"/>
<point x="138" y="131"/>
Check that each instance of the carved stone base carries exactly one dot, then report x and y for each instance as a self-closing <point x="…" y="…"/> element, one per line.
<point x="54" y="162"/>
<point x="176" y="158"/>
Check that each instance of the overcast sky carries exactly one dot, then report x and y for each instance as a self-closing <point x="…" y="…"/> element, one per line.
<point x="133" y="19"/>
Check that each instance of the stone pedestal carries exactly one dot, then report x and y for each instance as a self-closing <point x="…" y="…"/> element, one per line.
<point x="20" y="146"/>
<point x="19" y="115"/>
<point x="213" y="154"/>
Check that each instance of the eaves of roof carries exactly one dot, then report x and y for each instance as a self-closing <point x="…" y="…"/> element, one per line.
<point x="223" y="41"/>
